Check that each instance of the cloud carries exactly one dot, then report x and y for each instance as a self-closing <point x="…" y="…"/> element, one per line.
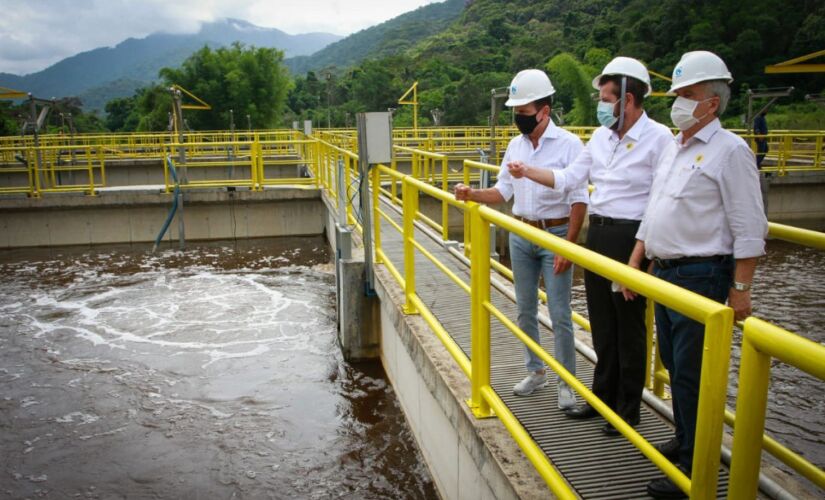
<point x="36" y="34"/>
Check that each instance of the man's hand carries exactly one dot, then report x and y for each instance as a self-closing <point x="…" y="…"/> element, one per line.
<point x="517" y="169"/>
<point x="462" y="192"/>
<point x="741" y="303"/>
<point x="560" y="264"/>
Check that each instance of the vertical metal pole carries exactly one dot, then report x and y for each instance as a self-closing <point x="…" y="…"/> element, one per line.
<point x="712" y="399"/>
<point x="376" y="187"/>
<point x="649" y="317"/>
<point x="409" y="194"/>
<point x="751" y="404"/>
<point x="364" y="199"/>
<point x="342" y="194"/>
<point x="480" y="316"/>
<point x="493" y="120"/>
<point x="484" y="183"/>
<point x="183" y="179"/>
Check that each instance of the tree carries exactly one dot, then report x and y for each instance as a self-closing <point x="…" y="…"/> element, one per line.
<point x="251" y="81"/>
<point x="573" y="88"/>
<point x="120" y="114"/>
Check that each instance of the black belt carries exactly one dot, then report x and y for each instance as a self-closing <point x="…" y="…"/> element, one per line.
<point x="598" y="220"/>
<point x="544" y="223"/>
<point x="681" y="261"/>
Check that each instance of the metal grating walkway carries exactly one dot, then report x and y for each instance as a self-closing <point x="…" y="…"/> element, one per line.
<point x="597" y="466"/>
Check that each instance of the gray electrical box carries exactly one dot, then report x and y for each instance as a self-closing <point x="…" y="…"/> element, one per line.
<point x="375" y="136"/>
<point x="296" y="125"/>
<point x="308" y="127"/>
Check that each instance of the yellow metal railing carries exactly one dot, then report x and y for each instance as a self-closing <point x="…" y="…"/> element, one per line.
<point x="252" y="152"/>
<point x="716" y="317"/>
<point x="761" y="342"/>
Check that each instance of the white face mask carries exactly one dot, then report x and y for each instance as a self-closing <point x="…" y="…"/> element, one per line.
<point x="682" y="112"/>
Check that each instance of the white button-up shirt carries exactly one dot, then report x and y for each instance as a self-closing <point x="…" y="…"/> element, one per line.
<point x="620" y="169"/>
<point x="556" y="149"/>
<point x="705" y="199"/>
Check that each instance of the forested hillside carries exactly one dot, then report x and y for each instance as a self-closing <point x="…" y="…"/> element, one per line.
<point x="493" y="39"/>
<point x="481" y="48"/>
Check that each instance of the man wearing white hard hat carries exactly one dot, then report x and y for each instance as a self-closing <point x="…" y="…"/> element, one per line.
<point x="619" y="160"/>
<point x="544" y="146"/>
<point x="704" y="229"/>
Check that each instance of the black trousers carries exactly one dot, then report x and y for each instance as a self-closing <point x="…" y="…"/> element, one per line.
<point x="618" y="326"/>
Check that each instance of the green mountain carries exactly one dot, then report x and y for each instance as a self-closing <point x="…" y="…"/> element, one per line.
<point x="491" y="40"/>
<point x="108" y="72"/>
<point x="389" y="38"/>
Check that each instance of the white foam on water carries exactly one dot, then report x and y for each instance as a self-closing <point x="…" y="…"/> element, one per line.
<point x="77" y="417"/>
<point x="102" y="434"/>
<point x="28" y="401"/>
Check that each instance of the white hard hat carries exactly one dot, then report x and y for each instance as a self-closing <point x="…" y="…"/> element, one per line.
<point x="699" y="66"/>
<point x="626" y="66"/>
<point x="529" y="85"/>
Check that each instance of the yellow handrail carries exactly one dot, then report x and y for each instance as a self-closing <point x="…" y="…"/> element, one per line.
<point x="762" y="341"/>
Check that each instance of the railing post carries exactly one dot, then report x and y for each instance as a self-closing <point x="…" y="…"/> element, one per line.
<point x="261" y="176"/>
<point x="713" y="388"/>
<point x="102" y="159"/>
<point x="445" y="207"/>
<point x="751" y="403"/>
<point x="394" y="181"/>
<point x="479" y="315"/>
<point x="165" y="171"/>
<point x="649" y="379"/>
<point x="346" y="186"/>
<point x="467" y="226"/>
<point x="91" y="170"/>
<point x="376" y="218"/>
<point x="410" y="195"/>
<point x="253" y="163"/>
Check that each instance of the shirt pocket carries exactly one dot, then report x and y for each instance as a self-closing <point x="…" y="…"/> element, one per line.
<point x="679" y="182"/>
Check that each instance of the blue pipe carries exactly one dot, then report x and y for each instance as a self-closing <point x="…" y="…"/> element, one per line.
<point x="174" y="204"/>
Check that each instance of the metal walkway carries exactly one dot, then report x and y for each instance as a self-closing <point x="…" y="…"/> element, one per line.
<point x="596" y="465"/>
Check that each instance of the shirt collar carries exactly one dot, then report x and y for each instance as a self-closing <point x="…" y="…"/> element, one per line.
<point x="635" y="132"/>
<point x="551" y="132"/>
<point x="705" y="133"/>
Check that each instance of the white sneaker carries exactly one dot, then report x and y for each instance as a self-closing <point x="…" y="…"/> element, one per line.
<point x="530" y="383"/>
<point x="566" y="397"/>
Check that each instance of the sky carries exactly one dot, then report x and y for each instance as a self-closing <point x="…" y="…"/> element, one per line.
<point x="35" y="34"/>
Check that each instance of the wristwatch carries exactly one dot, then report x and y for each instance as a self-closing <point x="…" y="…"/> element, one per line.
<point x="741" y="287"/>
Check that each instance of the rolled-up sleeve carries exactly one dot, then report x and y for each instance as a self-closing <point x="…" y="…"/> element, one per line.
<point x="578" y="194"/>
<point x="504" y="184"/>
<point x="576" y="173"/>
<point x="742" y="201"/>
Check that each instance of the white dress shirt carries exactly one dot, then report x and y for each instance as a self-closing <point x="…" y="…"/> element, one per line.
<point x="620" y="169"/>
<point x="705" y="199"/>
<point x="556" y="149"/>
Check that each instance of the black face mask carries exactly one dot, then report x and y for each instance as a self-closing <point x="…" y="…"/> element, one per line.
<point x="526" y="123"/>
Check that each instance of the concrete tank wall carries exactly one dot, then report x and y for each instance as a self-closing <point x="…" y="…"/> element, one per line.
<point x="138" y="217"/>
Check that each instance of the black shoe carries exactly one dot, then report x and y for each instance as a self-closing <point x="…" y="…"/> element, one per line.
<point x="663" y="487"/>
<point x="581" y="412"/>
<point x="670" y="449"/>
<point x="609" y="430"/>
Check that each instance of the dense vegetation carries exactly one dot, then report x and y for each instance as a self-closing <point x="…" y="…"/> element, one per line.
<point x="465" y="56"/>
<point x="572" y="40"/>
<point x="248" y="81"/>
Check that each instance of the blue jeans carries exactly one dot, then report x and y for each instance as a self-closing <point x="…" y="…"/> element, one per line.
<point x="681" y="341"/>
<point x="529" y="261"/>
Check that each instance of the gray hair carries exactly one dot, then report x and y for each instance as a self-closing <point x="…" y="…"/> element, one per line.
<point x="720" y="89"/>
